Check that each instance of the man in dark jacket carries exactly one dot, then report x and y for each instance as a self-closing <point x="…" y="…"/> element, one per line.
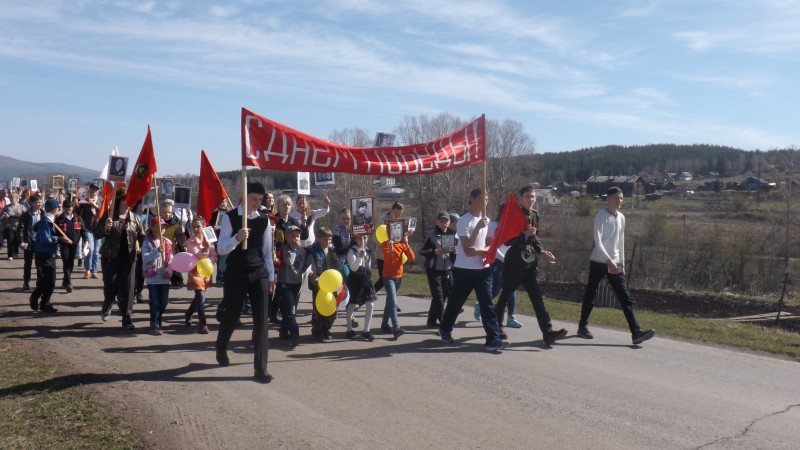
<point x="439" y="251"/>
<point x="45" y="248"/>
<point x="29" y="219"/>
<point x="72" y="225"/>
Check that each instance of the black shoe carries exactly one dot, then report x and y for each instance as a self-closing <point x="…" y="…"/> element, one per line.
<point x="128" y="324"/>
<point x="68" y="288"/>
<point x="249" y="312"/>
<point x="350" y="334"/>
<point x="327" y="335"/>
<point x="222" y="358"/>
<point x="386" y="328"/>
<point x="551" y="336"/>
<point x="584" y="332"/>
<point x="640" y="336"/>
<point x="34" y="303"/>
<point x="317" y="336"/>
<point x="399" y="310"/>
<point x="139" y="298"/>
<point x="263" y="377"/>
<point x="503" y="335"/>
<point x="274" y="319"/>
<point x="431" y="325"/>
<point x="398" y="332"/>
<point x="354" y="322"/>
<point x="367" y="336"/>
<point x="26" y="287"/>
<point x="48" y="308"/>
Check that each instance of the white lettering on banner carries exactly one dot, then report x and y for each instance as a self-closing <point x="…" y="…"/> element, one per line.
<point x="352" y="156"/>
<point x="295" y="150"/>
<point x="271" y="149"/>
<point x="367" y="160"/>
<point x="321" y="151"/>
<point x="406" y="158"/>
<point x="458" y="150"/>
<point x="477" y="137"/>
<point x="442" y="152"/>
<point x="247" y="146"/>
<point x="394" y="163"/>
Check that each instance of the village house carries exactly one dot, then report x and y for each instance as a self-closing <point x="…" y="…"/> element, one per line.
<point x="597" y="185"/>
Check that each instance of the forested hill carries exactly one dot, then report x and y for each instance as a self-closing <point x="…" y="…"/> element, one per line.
<point x="654" y="159"/>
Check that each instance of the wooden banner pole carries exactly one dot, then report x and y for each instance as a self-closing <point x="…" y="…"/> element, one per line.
<point x="244" y="203"/>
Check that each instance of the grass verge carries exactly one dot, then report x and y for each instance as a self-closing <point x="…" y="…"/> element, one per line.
<point x="39" y="411"/>
<point x="712" y="331"/>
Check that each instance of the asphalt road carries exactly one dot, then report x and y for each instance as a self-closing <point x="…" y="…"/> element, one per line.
<point x="414" y="392"/>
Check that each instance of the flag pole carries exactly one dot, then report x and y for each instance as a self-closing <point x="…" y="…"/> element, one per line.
<point x="158" y="214"/>
<point x="244" y="203"/>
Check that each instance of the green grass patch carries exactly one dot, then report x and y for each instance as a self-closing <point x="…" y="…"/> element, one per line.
<point x="713" y="331"/>
<point x="39" y="411"/>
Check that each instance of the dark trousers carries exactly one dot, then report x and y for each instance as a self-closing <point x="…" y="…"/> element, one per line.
<point x="68" y="263"/>
<point x="118" y="283"/>
<point x="379" y="284"/>
<point x="319" y="324"/>
<point x="26" y="267"/>
<point x="139" y="276"/>
<point x="45" y="278"/>
<point x="288" y="295"/>
<point x="438" y="281"/>
<point x="240" y="282"/>
<point x="513" y="277"/>
<point x="597" y="271"/>
<point x="12" y="241"/>
<point x="275" y="304"/>
<point x="464" y="282"/>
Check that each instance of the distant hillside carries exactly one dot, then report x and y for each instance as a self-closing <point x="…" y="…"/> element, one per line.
<point x="657" y="159"/>
<point x="11" y="167"/>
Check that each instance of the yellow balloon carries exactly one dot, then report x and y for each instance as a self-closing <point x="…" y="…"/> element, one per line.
<point x="205" y="267"/>
<point x="380" y="233"/>
<point x="405" y="258"/>
<point x="330" y="280"/>
<point x="325" y="303"/>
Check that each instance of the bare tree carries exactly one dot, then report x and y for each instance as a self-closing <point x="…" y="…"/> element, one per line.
<point x="505" y="141"/>
<point x="347" y="184"/>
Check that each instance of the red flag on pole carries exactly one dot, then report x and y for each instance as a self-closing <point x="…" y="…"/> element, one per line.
<point x="142" y="177"/>
<point x="211" y="192"/>
<point x="512" y="223"/>
<point x="108" y="194"/>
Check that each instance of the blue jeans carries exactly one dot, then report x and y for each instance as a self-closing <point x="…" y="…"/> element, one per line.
<point x="464" y="282"/>
<point x="497" y="285"/>
<point x="91" y="260"/>
<point x="287" y="296"/>
<point x="198" y="303"/>
<point x="159" y="299"/>
<point x="392" y="285"/>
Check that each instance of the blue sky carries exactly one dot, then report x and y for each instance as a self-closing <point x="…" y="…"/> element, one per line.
<point x="79" y="77"/>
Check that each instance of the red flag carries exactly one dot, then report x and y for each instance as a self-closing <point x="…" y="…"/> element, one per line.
<point x="142" y="176"/>
<point x="107" y="194"/>
<point x="211" y="193"/>
<point x="512" y="223"/>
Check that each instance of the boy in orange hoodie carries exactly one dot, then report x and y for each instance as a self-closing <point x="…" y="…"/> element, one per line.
<point x="392" y="277"/>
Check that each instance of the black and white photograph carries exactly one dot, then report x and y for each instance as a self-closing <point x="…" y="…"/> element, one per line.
<point x="384" y="139"/>
<point x="412" y="224"/>
<point x="4" y="185"/>
<point x="324" y="179"/>
<point x="211" y="237"/>
<point x="304" y="183"/>
<point x="183" y="196"/>
<point x="23" y="183"/>
<point x="149" y="199"/>
<point x="58" y="182"/>
<point x="395" y="230"/>
<point x="15" y="182"/>
<point x="34" y="185"/>
<point x="99" y="183"/>
<point x="117" y="168"/>
<point x="168" y="188"/>
<point x="361" y="208"/>
<point x="83" y="194"/>
<point x="72" y="184"/>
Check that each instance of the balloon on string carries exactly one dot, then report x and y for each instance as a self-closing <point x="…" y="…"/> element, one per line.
<point x="183" y="262"/>
<point x="205" y="267"/>
<point x="330" y="280"/>
<point x="380" y="234"/>
<point x="325" y="303"/>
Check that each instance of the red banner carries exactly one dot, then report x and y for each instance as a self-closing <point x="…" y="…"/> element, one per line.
<point x="270" y="145"/>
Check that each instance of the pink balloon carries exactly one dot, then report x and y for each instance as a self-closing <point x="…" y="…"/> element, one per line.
<point x="183" y="262"/>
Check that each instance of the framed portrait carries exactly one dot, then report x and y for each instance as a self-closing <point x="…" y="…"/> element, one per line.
<point x="304" y="183"/>
<point x="363" y="215"/>
<point x="99" y="182"/>
<point x="324" y="178"/>
<point x="83" y="194"/>
<point x="168" y="188"/>
<point x="183" y="196"/>
<point x="448" y="242"/>
<point x="394" y="229"/>
<point x="384" y="139"/>
<point x="4" y="185"/>
<point x="149" y="199"/>
<point x="33" y="185"/>
<point x="117" y="168"/>
<point x="15" y="183"/>
<point x="58" y="182"/>
<point x="211" y="237"/>
<point x="72" y="184"/>
<point x="412" y="224"/>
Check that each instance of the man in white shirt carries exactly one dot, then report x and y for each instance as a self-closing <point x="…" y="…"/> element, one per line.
<point x="250" y="272"/>
<point x="608" y="257"/>
<point x="470" y="272"/>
